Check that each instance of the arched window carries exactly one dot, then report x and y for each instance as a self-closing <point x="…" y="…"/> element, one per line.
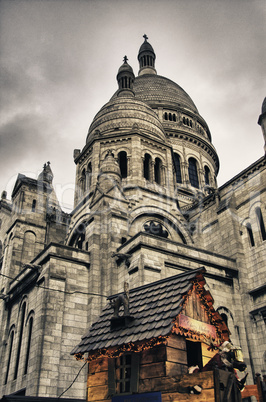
<point x="30" y="325"/>
<point x="83" y="181"/>
<point x="122" y="160"/>
<point x="33" y="206"/>
<point x="193" y="172"/>
<point x="174" y="117"/>
<point x="177" y="168"/>
<point x="170" y="116"/>
<point x="10" y="342"/>
<point x="184" y="120"/>
<point x="22" y="320"/>
<point x="261" y="223"/>
<point x="207" y="175"/>
<point x="89" y="175"/>
<point x="165" y="116"/>
<point x="250" y="234"/>
<point x="146" y="166"/>
<point x="157" y="171"/>
<point x="0" y="223"/>
<point x="225" y="318"/>
<point x="1" y="248"/>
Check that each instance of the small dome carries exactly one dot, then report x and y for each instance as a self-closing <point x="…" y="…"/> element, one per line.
<point x="123" y="114"/>
<point x="146" y="58"/>
<point x="125" y="79"/>
<point x="146" y="47"/>
<point x="125" y="67"/>
<point x="110" y="165"/>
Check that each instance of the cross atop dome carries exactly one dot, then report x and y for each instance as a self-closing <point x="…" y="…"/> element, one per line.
<point x="125" y="59"/>
<point x="145" y="37"/>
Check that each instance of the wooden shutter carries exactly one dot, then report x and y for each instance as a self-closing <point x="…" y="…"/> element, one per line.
<point x="111" y="377"/>
<point x="135" y="359"/>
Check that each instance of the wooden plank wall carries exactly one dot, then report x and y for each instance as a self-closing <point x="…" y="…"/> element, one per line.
<point x="98" y="381"/>
<point x="162" y="369"/>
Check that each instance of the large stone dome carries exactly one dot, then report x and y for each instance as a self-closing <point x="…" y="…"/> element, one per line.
<point x="122" y="114"/>
<point x="159" y="91"/>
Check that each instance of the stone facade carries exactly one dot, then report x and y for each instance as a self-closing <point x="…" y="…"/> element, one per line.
<point x="146" y="207"/>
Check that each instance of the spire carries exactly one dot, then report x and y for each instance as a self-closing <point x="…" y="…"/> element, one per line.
<point x="46" y="175"/>
<point x="146" y="58"/>
<point x="125" y="79"/>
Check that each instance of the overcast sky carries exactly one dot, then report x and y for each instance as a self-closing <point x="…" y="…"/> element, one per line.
<point x="59" y="60"/>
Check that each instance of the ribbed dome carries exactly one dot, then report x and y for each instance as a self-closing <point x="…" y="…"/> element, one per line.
<point x="123" y="114"/>
<point x="158" y="91"/>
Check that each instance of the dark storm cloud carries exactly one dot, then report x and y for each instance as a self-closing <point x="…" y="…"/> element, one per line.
<point x="22" y="138"/>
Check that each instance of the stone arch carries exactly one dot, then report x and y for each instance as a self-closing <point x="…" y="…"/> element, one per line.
<point x="123" y="163"/>
<point x="28" y="247"/>
<point x="224" y="311"/>
<point x="76" y="236"/>
<point x="21" y="325"/>
<point x="10" y="350"/>
<point x="174" y="226"/>
<point x="29" y="328"/>
<point x="248" y="231"/>
<point x="177" y="164"/>
<point x="193" y="171"/>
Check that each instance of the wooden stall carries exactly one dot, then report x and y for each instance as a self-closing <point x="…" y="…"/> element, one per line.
<point x="145" y="354"/>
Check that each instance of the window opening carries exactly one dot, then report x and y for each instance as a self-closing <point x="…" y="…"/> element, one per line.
<point x="123" y="373"/>
<point x="261" y="223"/>
<point x="89" y="174"/>
<point x="28" y="345"/>
<point x="193" y="173"/>
<point x="11" y="340"/>
<point x="33" y="207"/>
<point x="250" y="234"/>
<point x="194" y="353"/>
<point x="20" y="338"/>
<point x="80" y="241"/>
<point x="146" y="168"/>
<point x="157" y="170"/>
<point x="207" y="175"/>
<point x="177" y="168"/>
<point x="122" y="158"/>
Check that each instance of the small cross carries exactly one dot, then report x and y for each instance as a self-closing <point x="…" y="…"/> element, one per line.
<point x="145" y="37"/>
<point x="125" y="59"/>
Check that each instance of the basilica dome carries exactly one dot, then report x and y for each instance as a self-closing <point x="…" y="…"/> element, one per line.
<point x="123" y="114"/>
<point x="158" y="91"/>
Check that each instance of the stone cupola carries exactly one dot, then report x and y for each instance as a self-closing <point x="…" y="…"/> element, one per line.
<point x="125" y="79"/>
<point x="146" y="58"/>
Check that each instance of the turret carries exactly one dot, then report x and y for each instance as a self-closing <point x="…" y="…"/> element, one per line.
<point x="146" y="58"/>
<point x="125" y="79"/>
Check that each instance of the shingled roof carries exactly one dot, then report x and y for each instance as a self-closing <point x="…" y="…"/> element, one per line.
<point x="154" y="308"/>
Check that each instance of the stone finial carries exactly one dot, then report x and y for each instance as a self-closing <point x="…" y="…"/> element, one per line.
<point x="3" y="195"/>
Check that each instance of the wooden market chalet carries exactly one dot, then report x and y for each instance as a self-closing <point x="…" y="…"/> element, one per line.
<point x="142" y="350"/>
